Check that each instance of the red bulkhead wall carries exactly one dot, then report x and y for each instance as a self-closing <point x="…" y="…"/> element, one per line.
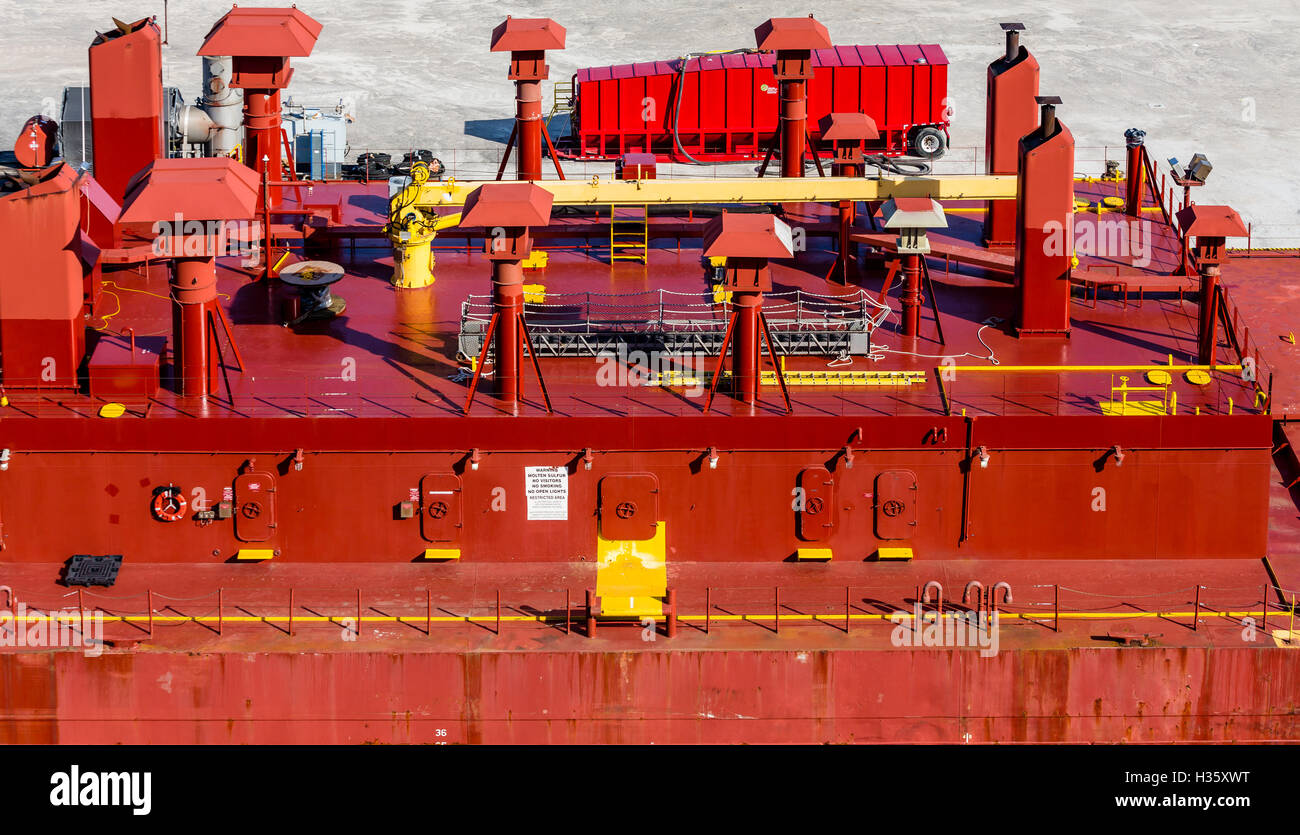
<point x="42" y="332"/>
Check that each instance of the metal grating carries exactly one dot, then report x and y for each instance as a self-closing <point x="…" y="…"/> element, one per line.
<point x="592" y="324"/>
<point x="93" y="570"/>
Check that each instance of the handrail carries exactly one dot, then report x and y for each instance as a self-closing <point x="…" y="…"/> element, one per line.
<point x="828" y="604"/>
<point x="1066" y="369"/>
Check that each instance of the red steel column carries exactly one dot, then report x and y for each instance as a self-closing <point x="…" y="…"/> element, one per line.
<point x="911" y="294"/>
<point x="848" y="212"/>
<point x="1136" y="173"/>
<point x="262" y="132"/>
<point x="794" y="124"/>
<point x="508" y="303"/>
<point x="1045" y="226"/>
<point x="745" y="348"/>
<point x="1207" y="331"/>
<point x="528" y="112"/>
<point x="194" y="284"/>
<point x="1011" y="113"/>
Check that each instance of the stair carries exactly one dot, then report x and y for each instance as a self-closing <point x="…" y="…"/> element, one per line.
<point x="629" y="233"/>
<point x="561" y="100"/>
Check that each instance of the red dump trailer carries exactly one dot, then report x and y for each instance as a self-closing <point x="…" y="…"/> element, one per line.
<point x="725" y="106"/>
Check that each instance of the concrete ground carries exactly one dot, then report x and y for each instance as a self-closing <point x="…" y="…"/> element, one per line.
<point x="1198" y="76"/>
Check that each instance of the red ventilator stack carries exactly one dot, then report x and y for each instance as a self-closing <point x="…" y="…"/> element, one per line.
<point x="1011" y="113"/>
<point x="848" y="132"/>
<point x="505" y="211"/>
<point x="1045" y="226"/>
<point x="260" y="43"/>
<point x="189" y="205"/>
<point x="748" y="242"/>
<point x="527" y="40"/>
<point x="126" y="102"/>
<point x="1211" y="226"/>
<point x="793" y="39"/>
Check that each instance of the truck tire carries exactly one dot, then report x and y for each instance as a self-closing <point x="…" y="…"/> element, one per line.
<point x="928" y="143"/>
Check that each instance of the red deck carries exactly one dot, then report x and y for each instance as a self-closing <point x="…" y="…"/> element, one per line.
<point x="371" y="402"/>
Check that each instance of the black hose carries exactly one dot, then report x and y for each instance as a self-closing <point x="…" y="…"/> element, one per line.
<point x="893" y="165"/>
<point x="677" y="104"/>
<point x="896" y="165"/>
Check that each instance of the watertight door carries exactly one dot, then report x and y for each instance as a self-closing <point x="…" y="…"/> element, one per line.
<point x="254" y="507"/>
<point x="440" y="509"/>
<point x="815" y="504"/>
<point x="629" y="506"/>
<point x="896" y="504"/>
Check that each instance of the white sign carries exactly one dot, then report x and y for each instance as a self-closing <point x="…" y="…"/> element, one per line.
<point x="547" y="489"/>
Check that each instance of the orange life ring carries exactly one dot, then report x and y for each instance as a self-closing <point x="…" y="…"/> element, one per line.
<point x="169" y="504"/>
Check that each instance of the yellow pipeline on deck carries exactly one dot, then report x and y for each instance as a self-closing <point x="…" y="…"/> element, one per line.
<point x="598" y="192"/>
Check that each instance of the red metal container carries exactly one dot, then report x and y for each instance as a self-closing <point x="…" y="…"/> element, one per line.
<point x="725" y="106"/>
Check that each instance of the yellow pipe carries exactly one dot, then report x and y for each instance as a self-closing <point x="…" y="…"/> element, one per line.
<point x="1058" y="369"/>
<point x="418" y="619"/>
<point x="597" y="192"/>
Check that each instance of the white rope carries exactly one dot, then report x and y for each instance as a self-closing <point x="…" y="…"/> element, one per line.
<point x="876" y="353"/>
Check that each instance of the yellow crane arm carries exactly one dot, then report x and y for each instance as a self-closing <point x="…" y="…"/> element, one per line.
<point x="597" y="192"/>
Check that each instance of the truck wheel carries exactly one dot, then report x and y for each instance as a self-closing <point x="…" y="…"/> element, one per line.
<point x="929" y="143"/>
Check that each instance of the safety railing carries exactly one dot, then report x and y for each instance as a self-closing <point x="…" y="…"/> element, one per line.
<point x="1266" y="611"/>
<point x="796" y="308"/>
<point x="632" y="394"/>
<point x="1246" y="348"/>
<point x="629" y="387"/>
<point x="1079" y="389"/>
